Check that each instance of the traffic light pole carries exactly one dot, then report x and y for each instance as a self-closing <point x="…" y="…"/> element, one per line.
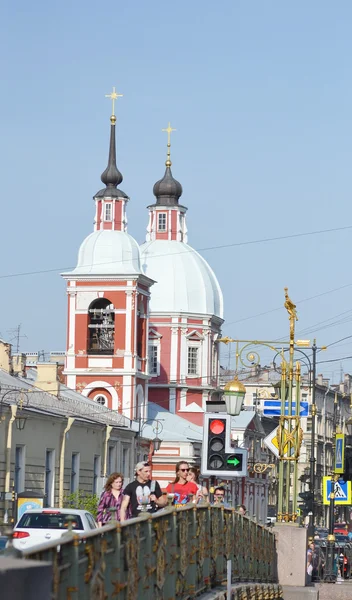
<point x="312" y="439"/>
<point x="330" y="572"/>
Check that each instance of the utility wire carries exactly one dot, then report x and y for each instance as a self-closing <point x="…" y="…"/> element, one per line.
<point x="233" y="245"/>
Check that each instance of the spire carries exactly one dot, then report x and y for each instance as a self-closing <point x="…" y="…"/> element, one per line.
<point x="167" y="190"/>
<point x="111" y="177"/>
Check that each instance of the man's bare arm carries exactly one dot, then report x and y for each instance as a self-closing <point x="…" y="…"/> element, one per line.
<point x="124" y="506"/>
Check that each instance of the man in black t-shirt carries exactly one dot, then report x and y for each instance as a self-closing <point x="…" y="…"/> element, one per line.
<point x="142" y="494"/>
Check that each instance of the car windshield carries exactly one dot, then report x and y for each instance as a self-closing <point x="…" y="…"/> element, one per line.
<point x="50" y="521"/>
<point x="341" y="539"/>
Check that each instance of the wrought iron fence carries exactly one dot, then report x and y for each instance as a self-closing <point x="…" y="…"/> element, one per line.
<point x="175" y="554"/>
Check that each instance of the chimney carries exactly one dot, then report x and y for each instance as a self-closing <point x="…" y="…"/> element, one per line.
<point x="5" y="357"/>
<point x="320" y="379"/>
<point x="19" y="364"/>
<point x="47" y="378"/>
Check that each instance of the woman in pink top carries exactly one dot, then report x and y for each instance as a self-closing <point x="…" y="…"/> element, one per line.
<point x="182" y="489"/>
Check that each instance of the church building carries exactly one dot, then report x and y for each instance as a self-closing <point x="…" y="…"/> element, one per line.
<point x="143" y="321"/>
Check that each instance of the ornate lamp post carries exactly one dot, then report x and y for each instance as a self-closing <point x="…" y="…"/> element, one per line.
<point x="289" y="432"/>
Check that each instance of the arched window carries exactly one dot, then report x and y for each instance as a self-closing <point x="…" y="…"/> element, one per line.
<point x="101" y="327"/>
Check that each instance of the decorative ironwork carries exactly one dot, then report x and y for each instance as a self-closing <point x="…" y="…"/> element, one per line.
<point x="175" y="553"/>
<point x="262" y="467"/>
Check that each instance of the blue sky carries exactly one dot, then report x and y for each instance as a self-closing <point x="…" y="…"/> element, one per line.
<point x="261" y="96"/>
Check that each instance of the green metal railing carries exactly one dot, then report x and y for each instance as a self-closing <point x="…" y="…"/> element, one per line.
<point x="174" y="554"/>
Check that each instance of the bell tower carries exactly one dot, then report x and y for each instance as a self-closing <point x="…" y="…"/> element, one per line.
<point x="108" y="304"/>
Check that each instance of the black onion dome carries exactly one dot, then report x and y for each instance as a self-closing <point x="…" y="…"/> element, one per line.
<point x="167" y="190"/>
<point x="111" y="177"/>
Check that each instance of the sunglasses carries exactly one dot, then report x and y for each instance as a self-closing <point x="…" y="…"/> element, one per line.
<point x="184" y="469"/>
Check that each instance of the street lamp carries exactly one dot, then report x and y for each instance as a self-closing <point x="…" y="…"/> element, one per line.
<point x="289" y="432"/>
<point x="20" y="423"/>
<point x="234" y="393"/>
<point x="157" y="428"/>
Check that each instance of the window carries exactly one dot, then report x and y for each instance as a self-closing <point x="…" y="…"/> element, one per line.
<point x="193" y="360"/>
<point x="111" y="459"/>
<point x="100" y="399"/>
<point x="49" y="477"/>
<point x="125" y="461"/>
<point x="162" y="222"/>
<point x="153" y="359"/>
<point x="101" y="327"/>
<point x="91" y="521"/>
<point x="108" y="212"/>
<point x="255" y="399"/>
<point x="19" y="468"/>
<point x="96" y="473"/>
<point x="51" y="520"/>
<point x="74" y="472"/>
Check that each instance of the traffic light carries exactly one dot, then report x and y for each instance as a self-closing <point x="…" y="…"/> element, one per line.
<point x="307" y="503"/>
<point x="347" y="475"/>
<point x="218" y="456"/>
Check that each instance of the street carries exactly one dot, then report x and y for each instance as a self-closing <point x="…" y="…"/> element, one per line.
<point x="335" y="591"/>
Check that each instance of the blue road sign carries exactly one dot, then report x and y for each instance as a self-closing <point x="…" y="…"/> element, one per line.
<point x="340" y="453"/>
<point x="272" y="408"/>
<point x="342" y="491"/>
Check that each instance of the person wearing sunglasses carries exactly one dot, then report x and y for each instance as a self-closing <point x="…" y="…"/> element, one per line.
<point x="181" y="488"/>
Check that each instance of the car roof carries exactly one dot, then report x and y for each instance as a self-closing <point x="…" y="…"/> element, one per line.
<point x="64" y="511"/>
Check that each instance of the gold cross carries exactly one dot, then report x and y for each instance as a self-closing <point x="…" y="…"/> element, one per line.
<point x="169" y="130"/>
<point x="113" y="96"/>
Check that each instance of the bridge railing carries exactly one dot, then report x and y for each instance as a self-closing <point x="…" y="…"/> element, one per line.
<point x="175" y="553"/>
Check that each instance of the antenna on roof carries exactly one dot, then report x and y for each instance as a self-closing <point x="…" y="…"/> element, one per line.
<point x="17" y="337"/>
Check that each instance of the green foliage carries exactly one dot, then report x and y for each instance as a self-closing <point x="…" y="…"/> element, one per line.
<point x="82" y="501"/>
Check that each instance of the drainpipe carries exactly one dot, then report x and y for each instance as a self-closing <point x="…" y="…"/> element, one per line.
<point x="70" y="421"/>
<point x="8" y="460"/>
<point x="107" y="437"/>
<point x="324" y="442"/>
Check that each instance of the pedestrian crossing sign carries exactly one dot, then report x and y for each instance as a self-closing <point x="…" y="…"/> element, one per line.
<point x="341" y="488"/>
<point x="340" y="453"/>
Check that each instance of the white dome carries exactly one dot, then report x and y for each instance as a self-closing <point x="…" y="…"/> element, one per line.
<point x="108" y="253"/>
<point x="184" y="280"/>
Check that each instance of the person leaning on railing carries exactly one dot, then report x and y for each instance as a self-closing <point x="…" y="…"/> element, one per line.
<point x="193" y="475"/>
<point x="143" y="494"/>
<point x="111" y="498"/>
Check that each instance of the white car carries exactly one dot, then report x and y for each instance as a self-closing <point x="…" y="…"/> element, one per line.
<point x="48" y="524"/>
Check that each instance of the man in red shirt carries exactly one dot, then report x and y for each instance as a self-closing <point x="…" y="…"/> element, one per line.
<point x="180" y="487"/>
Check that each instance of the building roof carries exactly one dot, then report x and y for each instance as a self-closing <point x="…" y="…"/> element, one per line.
<point x="174" y="428"/>
<point x="167" y="190"/>
<point x="68" y="404"/>
<point x="108" y="252"/>
<point x="185" y="281"/>
<point x="244" y="420"/>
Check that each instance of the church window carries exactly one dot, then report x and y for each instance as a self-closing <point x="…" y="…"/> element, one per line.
<point x="153" y="359"/>
<point x="100" y="399"/>
<point x="162" y="222"/>
<point x="101" y="327"/>
<point x="193" y="361"/>
<point x="108" y="212"/>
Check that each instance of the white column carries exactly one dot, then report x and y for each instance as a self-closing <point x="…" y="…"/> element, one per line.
<point x="70" y="357"/>
<point x="128" y="333"/>
<point x="174" y="350"/>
